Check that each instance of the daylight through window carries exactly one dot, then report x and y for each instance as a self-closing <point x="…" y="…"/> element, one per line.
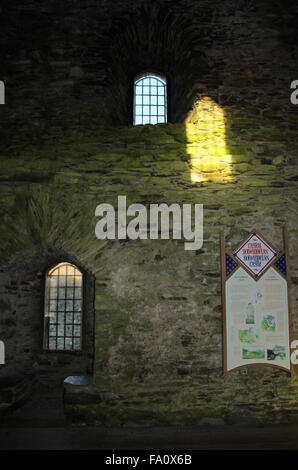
<point x="150" y="100"/>
<point x="63" y="308"/>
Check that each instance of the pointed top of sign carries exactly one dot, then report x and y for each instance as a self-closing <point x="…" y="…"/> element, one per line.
<point x="255" y="254"/>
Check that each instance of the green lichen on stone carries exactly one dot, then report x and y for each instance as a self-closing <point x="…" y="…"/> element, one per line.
<point x="157" y="339"/>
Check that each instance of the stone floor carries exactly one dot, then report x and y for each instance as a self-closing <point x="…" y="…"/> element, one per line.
<point x="150" y="438"/>
<point x="40" y="424"/>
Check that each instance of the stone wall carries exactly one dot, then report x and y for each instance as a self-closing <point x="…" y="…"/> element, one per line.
<point x="67" y="145"/>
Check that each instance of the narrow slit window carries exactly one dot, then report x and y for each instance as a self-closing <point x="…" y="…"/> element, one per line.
<point x="63" y="308"/>
<point x="150" y="100"/>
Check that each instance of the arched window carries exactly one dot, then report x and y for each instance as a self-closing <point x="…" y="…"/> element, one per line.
<point x="150" y="99"/>
<point x="63" y="308"/>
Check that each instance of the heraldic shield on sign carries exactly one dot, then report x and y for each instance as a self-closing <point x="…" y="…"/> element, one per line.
<point x="257" y="325"/>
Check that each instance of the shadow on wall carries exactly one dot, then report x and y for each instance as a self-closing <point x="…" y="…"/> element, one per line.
<point x="161" y="41"/>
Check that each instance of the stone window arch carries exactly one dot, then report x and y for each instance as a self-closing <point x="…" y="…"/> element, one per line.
<point x="150" y="99"/>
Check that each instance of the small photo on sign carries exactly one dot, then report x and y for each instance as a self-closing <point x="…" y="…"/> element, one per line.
<point x="276" y="352"/>
<point x="269" y="322"/>
<point x="253" y="352"/>
<point x="249" y="335"/>
<point x="249" y="314"/>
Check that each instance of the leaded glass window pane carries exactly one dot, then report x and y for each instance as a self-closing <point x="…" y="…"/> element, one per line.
<point x="150" y="104"/>
<point x="63" y="308"/>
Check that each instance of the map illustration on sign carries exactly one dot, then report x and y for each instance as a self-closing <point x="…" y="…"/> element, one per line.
<point x="256" y="315"/>
<point x="255" y="254"/>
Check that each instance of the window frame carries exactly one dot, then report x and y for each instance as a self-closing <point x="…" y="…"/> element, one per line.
<point x="45" y="299"/>
<point x="157" y="76"/>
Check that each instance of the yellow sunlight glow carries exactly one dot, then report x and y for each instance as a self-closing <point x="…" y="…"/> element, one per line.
<point x="206" y="136"/>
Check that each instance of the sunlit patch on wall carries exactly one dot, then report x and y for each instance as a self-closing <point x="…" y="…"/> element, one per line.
<point x="206" y="136"/>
